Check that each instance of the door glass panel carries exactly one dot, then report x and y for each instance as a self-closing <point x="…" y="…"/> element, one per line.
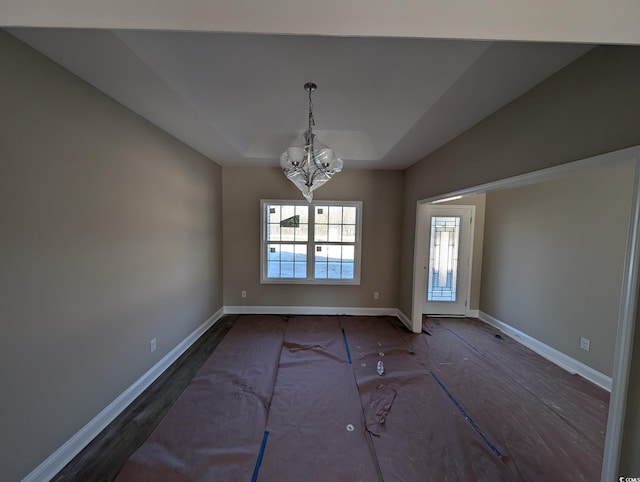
<point x="443" y="258"/>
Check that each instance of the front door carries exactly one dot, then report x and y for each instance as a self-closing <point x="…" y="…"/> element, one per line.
<point x="448" y="262"/>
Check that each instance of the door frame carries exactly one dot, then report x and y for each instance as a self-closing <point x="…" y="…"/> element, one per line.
<point x="427" y="210"/>
<point x="628" y="297"/>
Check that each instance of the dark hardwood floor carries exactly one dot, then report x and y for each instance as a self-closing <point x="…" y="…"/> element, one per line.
<point x="458" y="402"/>
<point x="103" y="458"/>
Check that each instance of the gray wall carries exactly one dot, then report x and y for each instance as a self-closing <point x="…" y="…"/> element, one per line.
<point x="110" y="230"/>
<point x="381" y="196"/>
<point x="110" y="235"/>
<point x="588" y="108"/>
<point x="553" y="260"/>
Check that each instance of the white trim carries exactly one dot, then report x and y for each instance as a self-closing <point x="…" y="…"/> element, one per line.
<point x="465" y="270"/>
<point x="419" y="256"/>
<point x="405" y="320"/>
<point x="310" y="243"/>
<point x="319" y="310"/>
<point x="563" y="361"/>
<point x="629" y="154"/>
<point x="628" y="300"/>
<point x="61" y="457"/>
<point x="309" y="310"/>
<point x="624" y="338"/>
<point x="473" y="313"/>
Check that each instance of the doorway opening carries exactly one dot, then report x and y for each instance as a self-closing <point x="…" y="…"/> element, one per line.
<point x="447" y="264"/>
<point x="628" y="292"/>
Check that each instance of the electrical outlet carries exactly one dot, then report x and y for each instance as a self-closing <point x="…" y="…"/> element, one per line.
<point x="585" y="343"/>
<point x="244" y="294"/>
<point x="376" y="295"/>
<point x="153" y="344"/>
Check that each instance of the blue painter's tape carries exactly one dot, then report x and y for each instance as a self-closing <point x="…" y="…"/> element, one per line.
<point x="254" y="478"/>
<point x="346" y="345"/>
<point x="467" y="343"/>
<point x="466" y="417"/>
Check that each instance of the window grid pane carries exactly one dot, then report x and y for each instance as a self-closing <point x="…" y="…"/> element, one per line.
<point x="286" y="260"/>
<point x="335" y="224"/>
<point x="334" y="261"/>
<point x="287" y="235"/>
<point x="287" y="223"/>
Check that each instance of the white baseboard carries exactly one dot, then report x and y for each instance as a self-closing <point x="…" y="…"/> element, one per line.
<point x="309" y="310"/>
<point x="473" y="313"/>
<point x="564" y="361"/>
<point x="61" y="457"/>
<point x="318" y="310"/>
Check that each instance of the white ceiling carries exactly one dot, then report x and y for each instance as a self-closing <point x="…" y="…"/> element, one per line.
<point x="381" y="103"/>
<point x="396" y="79"/>
<point x="576" y="21"/>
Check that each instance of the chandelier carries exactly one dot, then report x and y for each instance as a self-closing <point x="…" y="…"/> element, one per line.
<point x="308" y="163"/>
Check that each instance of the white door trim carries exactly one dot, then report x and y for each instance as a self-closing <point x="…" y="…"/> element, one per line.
<point x="438" y="209"/>
<point x="628" y="298"/>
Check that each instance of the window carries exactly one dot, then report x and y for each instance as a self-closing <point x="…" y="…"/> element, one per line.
<point x="311" y="243"/>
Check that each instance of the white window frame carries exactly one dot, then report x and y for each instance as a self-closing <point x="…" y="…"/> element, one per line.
<point x="310" y="243"/>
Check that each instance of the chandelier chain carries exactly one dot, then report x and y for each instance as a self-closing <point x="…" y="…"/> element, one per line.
<point x="312" y="121"/>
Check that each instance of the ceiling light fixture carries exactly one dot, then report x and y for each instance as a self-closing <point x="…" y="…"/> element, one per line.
<point x="308" y="163"/>
<point x="447" y="199"/>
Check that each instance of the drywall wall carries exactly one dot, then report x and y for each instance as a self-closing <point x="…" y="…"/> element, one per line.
<point x="590" y="107"/>
<point x="553" y="260"/>
<point x="110" y="235"/>
<point x="381" y="196"/>
<point x="479" y="201"/>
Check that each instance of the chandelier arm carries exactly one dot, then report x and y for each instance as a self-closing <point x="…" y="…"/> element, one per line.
<point x="317" y="172"/>
<point x="319" y="166"/>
